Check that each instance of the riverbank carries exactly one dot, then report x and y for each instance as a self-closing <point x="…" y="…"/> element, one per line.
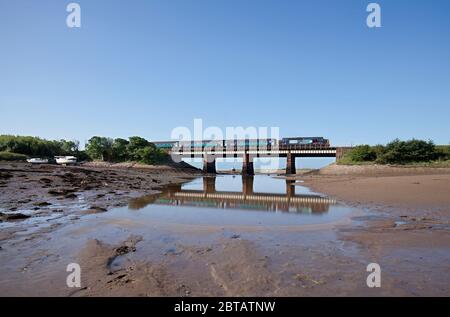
<point x="399" y="198"/>
<point x="415" y="189"/>
<point x="37" y="193"/>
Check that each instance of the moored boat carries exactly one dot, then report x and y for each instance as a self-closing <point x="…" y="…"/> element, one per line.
<point x="65" y="160"/>
<point x="36" y="160"/>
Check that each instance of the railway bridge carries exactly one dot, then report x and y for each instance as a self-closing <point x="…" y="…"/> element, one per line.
<point x="249" y="151"/>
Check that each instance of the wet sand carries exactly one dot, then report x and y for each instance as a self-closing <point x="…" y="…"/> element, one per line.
<point x="402" y="191"/>
<point x="407" y="233"/>
<point x="408" y="220"/>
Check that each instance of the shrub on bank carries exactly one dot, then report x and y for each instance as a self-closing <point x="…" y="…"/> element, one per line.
<point x="397" y="152"/>
<point x="362" y="153"/>
<point x="443" y="152"/>
<point x="404" y="152"/>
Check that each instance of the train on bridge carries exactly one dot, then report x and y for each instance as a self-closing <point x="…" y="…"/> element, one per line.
<point x="295" y="142"/>
<point x="248" y="149"/>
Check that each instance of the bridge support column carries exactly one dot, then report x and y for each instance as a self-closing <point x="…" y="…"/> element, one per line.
<point x="209" y="184"/>
<point x="174" y="188"/>
<point x="290" y="188"/>
<point x="290" y="164"/>
<point x="209" y="164"/>
<point x="247" y="185"/>
<point x="247" y="165"/>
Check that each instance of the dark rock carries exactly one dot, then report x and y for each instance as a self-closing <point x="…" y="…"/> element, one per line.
<point x="42" y="204"/>
<point x="17" y="216"/>
<point x="124" y="250"/>
<point x="99" y="208"/>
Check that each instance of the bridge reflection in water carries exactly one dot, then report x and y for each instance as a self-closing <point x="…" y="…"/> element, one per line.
<point x="247" y="199"/>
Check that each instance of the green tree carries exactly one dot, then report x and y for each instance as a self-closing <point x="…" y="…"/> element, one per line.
<point x="119" y="150"/>
<point x="151" y="155"/>
<point x="135" y="146"/>
<point x="99" y="148"/>
<point x="69" y="147"/>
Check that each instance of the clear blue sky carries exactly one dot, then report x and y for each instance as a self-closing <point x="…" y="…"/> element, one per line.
<point x="145" y="67"/>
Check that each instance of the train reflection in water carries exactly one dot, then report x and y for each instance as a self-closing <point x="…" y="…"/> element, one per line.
<point x="246" y="199"/>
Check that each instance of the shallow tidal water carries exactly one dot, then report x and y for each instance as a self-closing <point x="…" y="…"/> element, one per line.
<point x="260" y="208"/>
<point x="235" y="201"/>
<point x="271" y="215"/>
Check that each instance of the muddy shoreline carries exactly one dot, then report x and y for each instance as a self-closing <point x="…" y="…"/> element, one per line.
<point x="410" y="241"/>
<point x="38" y="193"/>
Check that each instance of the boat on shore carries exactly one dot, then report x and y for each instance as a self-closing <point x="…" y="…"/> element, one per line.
<point x="66" y="160"/>
<point x="36" y="160"/>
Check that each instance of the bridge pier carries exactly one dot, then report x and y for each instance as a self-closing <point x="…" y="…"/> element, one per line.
<point x="174" y="188"/>
<point x="247" y="185"/>
<point x="290" y="188"/>
<point x="290" y="164"/>
<point x="247" y="165"/>
<point x="209" y="184"/>
<point x="209" y="164"/>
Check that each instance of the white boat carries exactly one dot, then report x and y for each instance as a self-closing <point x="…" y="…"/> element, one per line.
<point x="36" y="160"/>
<point x="65" y="160"/>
